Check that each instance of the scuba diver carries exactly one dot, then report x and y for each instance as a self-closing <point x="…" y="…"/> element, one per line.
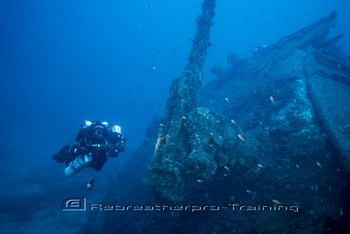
<point x="95" y="142"/>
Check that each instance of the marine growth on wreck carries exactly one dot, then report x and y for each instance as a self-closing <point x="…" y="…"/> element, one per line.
<point x="274" y="139"/>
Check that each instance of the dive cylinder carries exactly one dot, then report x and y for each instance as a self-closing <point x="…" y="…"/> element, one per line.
<point x="78" y="164"/>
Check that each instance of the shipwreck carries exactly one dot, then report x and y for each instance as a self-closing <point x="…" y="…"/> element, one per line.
<point x="267" y="142"/>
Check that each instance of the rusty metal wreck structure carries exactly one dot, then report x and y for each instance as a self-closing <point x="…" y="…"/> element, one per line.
<point x="276" y="135"/>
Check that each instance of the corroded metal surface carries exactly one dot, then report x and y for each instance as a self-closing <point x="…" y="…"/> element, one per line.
<point x="264" y="139"/>
<point x="172" y="145"/>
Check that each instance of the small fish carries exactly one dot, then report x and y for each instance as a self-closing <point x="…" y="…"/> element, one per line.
<point x="276" y="201"/>
<point x="184" y="117"/>
<point x="227" y="169"/>
<point x="248" y="191"/>
<point x="319" y="164"/>
<point x="200" y="181"/>
<point x="240" y="137"/>
<point x="272" y="99"/>
<point x="233" y="121"/>
<point x="297" y="166"/>
<point x="150" y="6"/>
<point x="227" y="99"/>
<point x="260" y="165"/>
<point x="221" y="138"/>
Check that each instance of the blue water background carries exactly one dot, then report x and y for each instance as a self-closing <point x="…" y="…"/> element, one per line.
<point x="62" y="62"/>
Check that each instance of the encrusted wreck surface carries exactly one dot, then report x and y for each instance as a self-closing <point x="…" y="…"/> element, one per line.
<point x="172" y="146"/>
<point x="272" y="133"/>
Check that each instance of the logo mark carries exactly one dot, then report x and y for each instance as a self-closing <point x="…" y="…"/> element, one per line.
<point x="74" y="204"/>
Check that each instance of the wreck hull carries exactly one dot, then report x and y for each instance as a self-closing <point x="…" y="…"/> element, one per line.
<point x="263" y="138"/>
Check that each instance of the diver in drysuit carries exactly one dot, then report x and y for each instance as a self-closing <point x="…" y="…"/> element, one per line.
<point x="95" y="142"/>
